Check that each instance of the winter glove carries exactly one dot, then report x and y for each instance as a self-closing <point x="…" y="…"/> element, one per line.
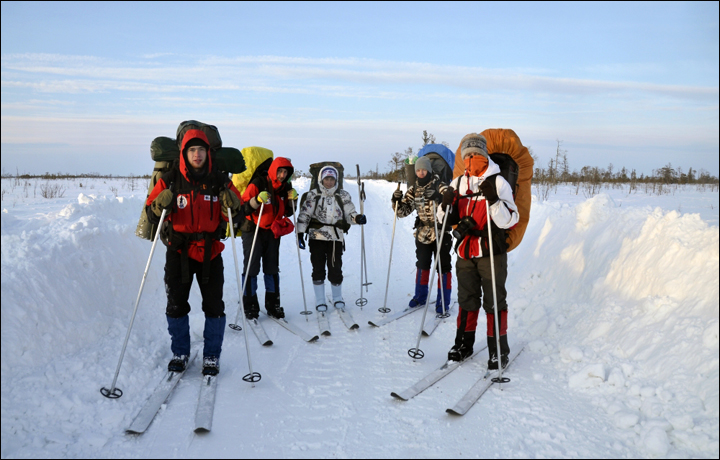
<point x="489" y="190"/>
<point x="397" y="196"/>
<point x="432" y="194"/>
<point x="360" y="219"/>
<point x="301" y="240"/>
<point x="292" y="194"/>
<point x="229" y="199"/>
<point x="263" y="197"/>
<point x="448" y="198"/>
<point x="163" y="201"/>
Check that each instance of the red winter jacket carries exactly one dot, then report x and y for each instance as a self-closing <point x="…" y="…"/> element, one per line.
<point x="197" y="206"/>
<point x="277" y="208"/>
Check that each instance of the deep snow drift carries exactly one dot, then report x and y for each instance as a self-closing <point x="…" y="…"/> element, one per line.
<point x="616" y="297"/>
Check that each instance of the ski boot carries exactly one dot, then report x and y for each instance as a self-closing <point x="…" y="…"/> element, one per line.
<point x="463" y="347"/>
<point x="251" y="306"/>
<point x="504" y="352"/>
<point x="178" y="363"/>
<point x="272" y="305"/>
<point x="211" y="365"/>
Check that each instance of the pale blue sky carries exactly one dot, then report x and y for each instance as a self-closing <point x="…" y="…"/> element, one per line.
<point x="87" y="86"/>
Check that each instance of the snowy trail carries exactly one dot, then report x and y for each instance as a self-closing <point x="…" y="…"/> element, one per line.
<point x="616" y="296"/>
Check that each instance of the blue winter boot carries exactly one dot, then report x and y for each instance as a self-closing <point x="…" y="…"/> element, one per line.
<point x="213" y="335"/>
<point x="179" y="329"/>
<point x="422" y="278"/>
<point x="446" y="280"/>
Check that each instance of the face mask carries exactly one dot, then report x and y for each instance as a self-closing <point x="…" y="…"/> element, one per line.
<point x="476" y="165"/>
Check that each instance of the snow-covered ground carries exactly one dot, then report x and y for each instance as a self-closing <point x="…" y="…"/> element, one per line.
<point x="616" y="297"/>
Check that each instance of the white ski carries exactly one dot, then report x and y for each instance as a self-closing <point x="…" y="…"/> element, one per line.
<point x="393" y="317"/>
<point x="432" y="323"/>
<point x="294" y="329"/>
<point x="158" y="397"/>
<point x="206" y="404"/>
<point x="323" y="322"/>
<point x="477" y="390"/>
<point x="432" y="378"/>
<point x="259" y="332"/>
<point x="345" y="316"/>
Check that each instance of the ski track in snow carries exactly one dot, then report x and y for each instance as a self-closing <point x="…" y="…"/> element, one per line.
<point x="616" y="296"/>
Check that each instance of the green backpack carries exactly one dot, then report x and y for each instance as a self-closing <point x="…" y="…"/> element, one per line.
<point x="165" y="151"/>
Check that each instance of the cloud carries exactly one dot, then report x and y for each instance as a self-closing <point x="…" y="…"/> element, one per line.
<point x="294" y="74"/>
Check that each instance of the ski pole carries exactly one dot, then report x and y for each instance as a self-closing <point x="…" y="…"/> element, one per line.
<point x="438" y="239"/>
<point x="362" y="234"/>
<point x="361" y="301"/>
<point x="417" y="353"/>
<point x="384" y="308"/>
<point x="114" y="392"/>
<point x="252" y="377"/>
<point x="499" y="378"/>
<point x="302" y="283"/>
<point x="235" y="325"/>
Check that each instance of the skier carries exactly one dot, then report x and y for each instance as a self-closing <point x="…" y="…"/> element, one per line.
<point x="429" y="189"/>
<point x="467" y="194"/>
<point x="197" y="197"/>
<point x="274" y="191"/>
<point x="325" y="215"/>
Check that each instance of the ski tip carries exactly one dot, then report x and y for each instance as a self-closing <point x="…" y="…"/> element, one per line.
<point x="372" y="324"/>
<point x="395" y="395"/>
<point x="452" y="412"/>
<point x="314" y="338"/>
<point x="131" y="431"/>
<point x="355" y="326"/>
<point x="326" y="333"/>
<point x="268" y="343"/>
<point x="201" y="430"/>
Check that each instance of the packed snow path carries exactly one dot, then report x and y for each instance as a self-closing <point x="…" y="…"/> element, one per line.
<point x="616" y="295"/>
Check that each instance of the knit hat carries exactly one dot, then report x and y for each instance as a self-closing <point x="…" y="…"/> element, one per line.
<point x="473" y="143"/>
<point x="423" y="163"/>
<point x="328" y="172"/>
<point x="196" y="141"/>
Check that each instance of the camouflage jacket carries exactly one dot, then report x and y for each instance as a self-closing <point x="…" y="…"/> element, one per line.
<point x="414" y="199"/>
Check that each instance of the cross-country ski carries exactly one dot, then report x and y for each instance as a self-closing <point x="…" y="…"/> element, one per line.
<point x="206" y="404"/>
<point x="158" y="397"/>
<point x="477" y="390"/>
<point x="294" y="329"/>
<point x="432" y="378"/>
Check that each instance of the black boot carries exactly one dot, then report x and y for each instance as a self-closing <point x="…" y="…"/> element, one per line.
<point x="492" y="350"/>
<point x="463" y="347"/>
<point x="272" y="305"/>
<point x="251" y="306"/>
<point x="504" y="350"/>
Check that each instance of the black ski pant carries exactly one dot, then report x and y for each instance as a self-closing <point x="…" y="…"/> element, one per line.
<point x="267" y="250"/>
<point x="326" y="253"/>
<point x="179" y="292"/>
<point x="426" y="252"/>
<point x="475" y="288"/>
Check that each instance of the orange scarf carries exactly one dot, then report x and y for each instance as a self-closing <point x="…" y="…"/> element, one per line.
<point x="476" y="165"/>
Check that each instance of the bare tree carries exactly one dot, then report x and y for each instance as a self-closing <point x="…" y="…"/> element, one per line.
<point x="427" y="138"/>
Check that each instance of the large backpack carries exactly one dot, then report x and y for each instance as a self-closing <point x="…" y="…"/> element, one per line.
<point x="440" y="158"/>
<point x="165" y="152"/>
<point x="315" y="169"/>
<point x="257" y="162"/>
<point x="516" y="166"/>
